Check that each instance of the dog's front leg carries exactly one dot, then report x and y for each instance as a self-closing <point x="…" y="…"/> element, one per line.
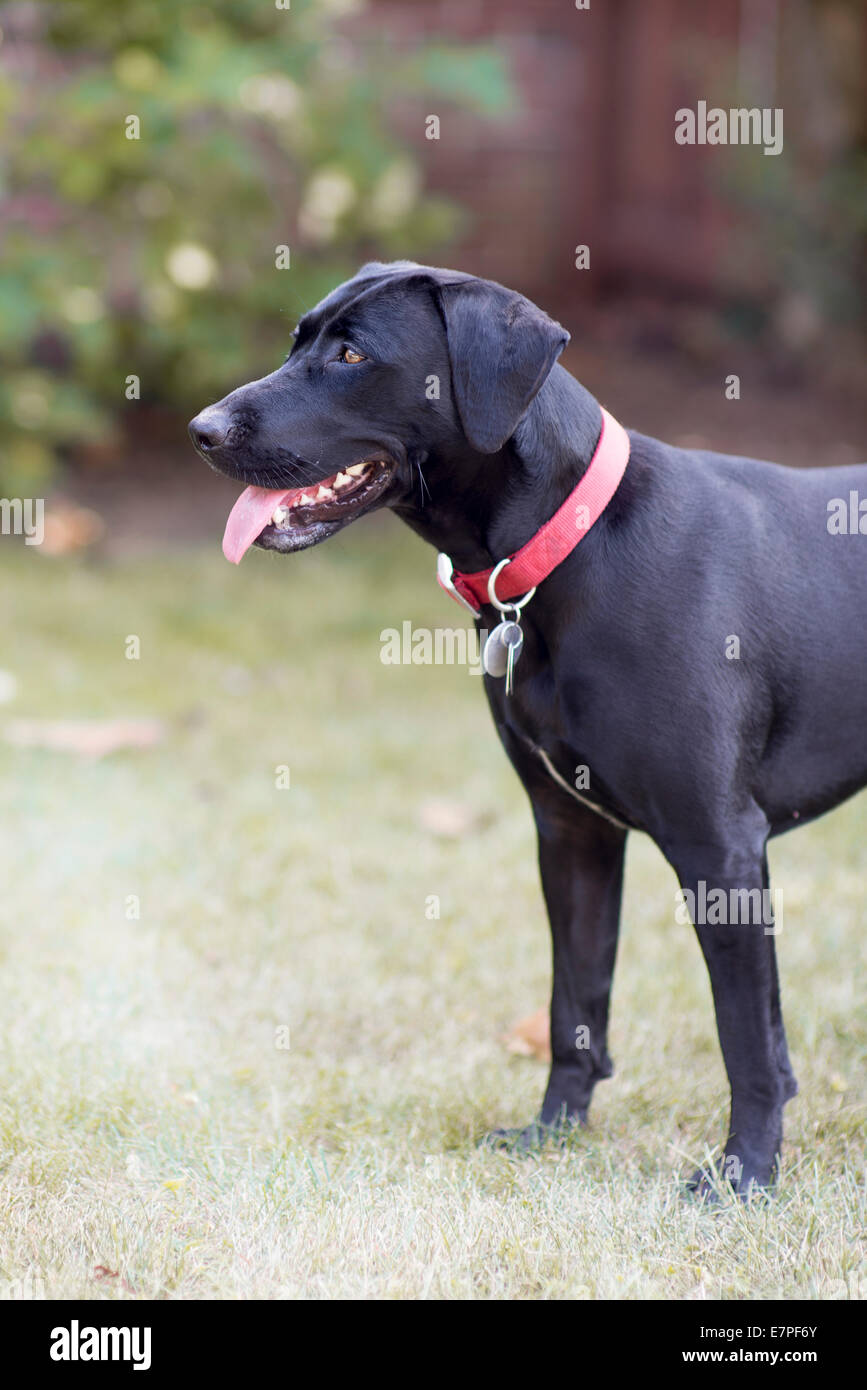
<point x="731" y="910"/>
<point x="581" y="862"/>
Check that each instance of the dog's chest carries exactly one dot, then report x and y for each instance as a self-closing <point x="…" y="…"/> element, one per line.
<point x="543" y="717"/>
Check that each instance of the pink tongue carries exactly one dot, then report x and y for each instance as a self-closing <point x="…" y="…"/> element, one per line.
<point x="248" y="518"/>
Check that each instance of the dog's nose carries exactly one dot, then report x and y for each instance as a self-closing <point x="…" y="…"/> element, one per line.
<point x="210" y="427"/>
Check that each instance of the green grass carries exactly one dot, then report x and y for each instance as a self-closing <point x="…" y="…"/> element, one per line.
<point x="149" y="1122"/>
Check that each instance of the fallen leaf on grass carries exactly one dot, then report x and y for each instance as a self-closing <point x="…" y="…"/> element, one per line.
<point x="103" y="1272"/>
<point x="447" y="819"/>
<point x="93" y="738"/>
<point x="69" y="528"/>
<point x="530" y="1036"/>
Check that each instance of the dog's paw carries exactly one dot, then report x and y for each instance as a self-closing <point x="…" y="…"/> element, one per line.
<point x="704" y="1187"/>
<point x="533" y="1138"/>
<point x="710" y="1186"/>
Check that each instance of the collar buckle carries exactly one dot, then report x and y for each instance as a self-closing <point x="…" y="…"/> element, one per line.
<point x="445" y="569"/>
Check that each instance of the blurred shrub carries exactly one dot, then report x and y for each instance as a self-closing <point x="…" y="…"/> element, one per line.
<point x="156" y="257"/>
<point x="806" y="210"/>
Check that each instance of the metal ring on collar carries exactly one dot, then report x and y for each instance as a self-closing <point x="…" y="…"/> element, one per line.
<point x="516" y="604"/>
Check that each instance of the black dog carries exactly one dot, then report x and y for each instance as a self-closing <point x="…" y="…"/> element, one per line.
<point x="699" y="652"/>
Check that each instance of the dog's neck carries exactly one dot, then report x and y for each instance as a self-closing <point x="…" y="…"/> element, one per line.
<point x="479" y="508"/>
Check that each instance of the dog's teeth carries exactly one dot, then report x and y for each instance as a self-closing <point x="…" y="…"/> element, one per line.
<point x="304" y="500"/>
<point x="357" y="469"/>
<point x="342" y="480"/>
<point x="324" y="494"/>
<point x="280" y="514"/>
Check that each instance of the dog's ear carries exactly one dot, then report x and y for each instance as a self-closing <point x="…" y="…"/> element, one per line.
<point x="501" y="349"/>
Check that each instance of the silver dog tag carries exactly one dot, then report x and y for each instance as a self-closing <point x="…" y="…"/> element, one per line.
<point x="502" y="650"/>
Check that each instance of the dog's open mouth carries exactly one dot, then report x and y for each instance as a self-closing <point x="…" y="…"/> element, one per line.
<point x="294" y="518"/>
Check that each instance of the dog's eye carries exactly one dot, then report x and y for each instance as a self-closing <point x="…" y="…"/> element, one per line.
<point x="351" y="355"/>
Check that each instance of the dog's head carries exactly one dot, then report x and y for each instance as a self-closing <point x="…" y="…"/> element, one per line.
<point x="402" y="365"/>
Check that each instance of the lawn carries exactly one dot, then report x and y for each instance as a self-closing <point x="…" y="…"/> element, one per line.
<point x="173" y="917"/>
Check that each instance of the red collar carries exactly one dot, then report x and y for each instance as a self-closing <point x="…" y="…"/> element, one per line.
<point x="557" y="538"/>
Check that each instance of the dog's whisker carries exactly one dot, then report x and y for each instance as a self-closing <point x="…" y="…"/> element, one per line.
<point x="423" y="487"/>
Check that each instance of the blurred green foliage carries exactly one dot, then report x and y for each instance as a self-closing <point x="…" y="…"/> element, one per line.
<point x="806" y="210"/>
<point x="157" y="257"/>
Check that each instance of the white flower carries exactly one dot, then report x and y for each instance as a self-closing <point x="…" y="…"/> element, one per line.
<point x="341" y="7"/>
<point x="81" y="304"/>
<point x="270" y="94"/>
<point x="394" y="194"/>
<point x="191" y="266"/>
<point x="30" y="400"/>
<point x="329" y="194"/>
